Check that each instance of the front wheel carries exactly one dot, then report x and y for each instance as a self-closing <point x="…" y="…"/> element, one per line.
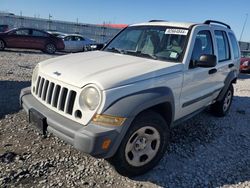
<point x="50" y="48"/>
<point x="2" y="45"/>
<point x="143" y="145"/>
<point x="221" y="108"/>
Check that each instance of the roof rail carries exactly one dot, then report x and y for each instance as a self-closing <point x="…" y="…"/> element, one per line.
<point x="157" y="21"/>
<point x="214" y="21"/>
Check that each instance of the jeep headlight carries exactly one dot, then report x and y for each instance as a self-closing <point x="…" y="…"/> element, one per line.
<point x="35" y="73"/>
<point x="90" y="98"/>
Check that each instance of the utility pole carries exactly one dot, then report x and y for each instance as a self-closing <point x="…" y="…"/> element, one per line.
<point x="243" y="28"/>
<point x="21" y="18"/>
<point x="50" y="21"/>
<point x="77" y="26"/>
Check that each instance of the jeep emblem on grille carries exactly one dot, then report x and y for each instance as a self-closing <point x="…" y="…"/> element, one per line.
<point x="57" y="73"/>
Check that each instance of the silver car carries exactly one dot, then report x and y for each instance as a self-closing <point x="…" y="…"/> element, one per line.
<point x="76" y="43"/>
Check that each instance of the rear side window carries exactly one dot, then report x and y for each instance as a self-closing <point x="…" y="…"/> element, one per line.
<point x="78" y="38"/>
<point x="68" y="38"/>
<point x="36" y="33"/>
<point x="222" y="46"/>
<point x="234" y="45"/>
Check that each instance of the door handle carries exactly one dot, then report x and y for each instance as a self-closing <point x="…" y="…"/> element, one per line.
<point x="230" y="65"/>
<point x="212" y="71"/>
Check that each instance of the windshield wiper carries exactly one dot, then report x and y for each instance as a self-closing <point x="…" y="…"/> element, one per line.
<point x="140" y="54"/>
<point x="115" y="50"/>
<point x="136" y="53"/>
<point x="148" y="55"/>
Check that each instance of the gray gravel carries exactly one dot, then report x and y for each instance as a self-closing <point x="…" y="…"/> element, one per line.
<point x="206" y="151"/>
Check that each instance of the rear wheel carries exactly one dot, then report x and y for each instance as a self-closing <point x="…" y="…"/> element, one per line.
<point x="50" y="48"/>
<point x="143" y="146"/>
<point x="2" y="45"/>
<point x="221" y="108"/>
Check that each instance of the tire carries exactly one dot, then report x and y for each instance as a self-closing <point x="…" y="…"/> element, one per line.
<point x="221" y="108"/>
<point x="143" y="145"/>
<point x="50" y="48"/>
<point x="2" y="45"/>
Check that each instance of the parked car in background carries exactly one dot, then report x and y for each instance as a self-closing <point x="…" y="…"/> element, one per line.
<point x="97" y="46"/>
<point x="30" y="39"/>
<point x="4" y="28"/>
<point x="56" y="33"/>
<point x="245" y="61"/>
<point x="76" y="43"/>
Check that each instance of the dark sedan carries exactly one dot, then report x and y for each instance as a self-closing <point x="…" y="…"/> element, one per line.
<point x="30" y="39"/>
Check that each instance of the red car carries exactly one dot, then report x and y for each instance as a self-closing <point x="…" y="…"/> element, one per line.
<point x="31" y="39"/>
<point x="245" y="62"/>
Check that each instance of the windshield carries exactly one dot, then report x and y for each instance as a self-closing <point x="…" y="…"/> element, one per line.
<point x="156" y="42"/>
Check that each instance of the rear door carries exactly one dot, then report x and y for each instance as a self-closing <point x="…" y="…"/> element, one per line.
<point x="38" y="39"/>
<point x="69" y="43"/>
<point x="199" y="83"/>
<point x="224" y="54"/>
<point x="79" y="43"/>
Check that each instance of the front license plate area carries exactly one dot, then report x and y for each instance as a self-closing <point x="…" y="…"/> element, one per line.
<point x="38" y="120"/>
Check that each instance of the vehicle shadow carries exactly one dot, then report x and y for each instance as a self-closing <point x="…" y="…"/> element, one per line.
<point x="207" y="151"/>
<point x="27" y="51"/>
<point x="9" y="96"/>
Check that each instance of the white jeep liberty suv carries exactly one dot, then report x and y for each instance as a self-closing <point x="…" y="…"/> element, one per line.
<point x="120" y="103"/>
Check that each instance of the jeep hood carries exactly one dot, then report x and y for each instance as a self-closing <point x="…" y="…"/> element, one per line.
<point x="106" y="69"/>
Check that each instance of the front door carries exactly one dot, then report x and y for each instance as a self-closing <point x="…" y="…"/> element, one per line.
<point x="18" y="38"/>
<point x="199" y="83"/>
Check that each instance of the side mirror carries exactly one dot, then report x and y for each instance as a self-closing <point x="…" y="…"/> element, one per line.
<point x="207" y="61"/>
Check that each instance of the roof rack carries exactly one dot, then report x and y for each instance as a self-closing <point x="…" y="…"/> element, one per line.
<point x="157" y="21"/>
<point x="214" y="21"/>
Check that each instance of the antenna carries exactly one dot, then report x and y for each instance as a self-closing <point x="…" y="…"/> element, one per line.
<point x="243" y="28"/>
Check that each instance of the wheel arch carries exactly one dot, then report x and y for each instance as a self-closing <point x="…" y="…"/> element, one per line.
<point x="47" y="43"/>
<point x="3" y="41"/>
<point x="160" y="100"/>
<point x="230" y="79"/>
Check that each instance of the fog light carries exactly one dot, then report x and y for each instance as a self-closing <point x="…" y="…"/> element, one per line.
<point x="108" y="120"/>
<point x="106" y="143"/>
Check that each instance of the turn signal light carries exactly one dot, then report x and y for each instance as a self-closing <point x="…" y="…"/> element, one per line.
<point x="108" y="120"/>
<point x="106" y="143"/>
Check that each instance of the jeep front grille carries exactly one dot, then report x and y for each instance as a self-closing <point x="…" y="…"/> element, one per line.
<point x="55" y="95"/>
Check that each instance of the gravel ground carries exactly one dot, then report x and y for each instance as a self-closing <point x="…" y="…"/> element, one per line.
<point x="205" y="151"/>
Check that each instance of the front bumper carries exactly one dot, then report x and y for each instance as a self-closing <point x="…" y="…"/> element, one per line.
<point x="88" y="139"/>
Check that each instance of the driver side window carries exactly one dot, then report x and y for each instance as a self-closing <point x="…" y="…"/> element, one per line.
<point x="202" y="46"/>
